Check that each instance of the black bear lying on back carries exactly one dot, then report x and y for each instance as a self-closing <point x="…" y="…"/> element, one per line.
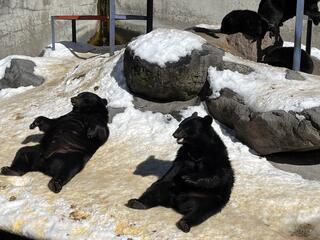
<point x="68" y="142"/>
<point x="199" y="183"/>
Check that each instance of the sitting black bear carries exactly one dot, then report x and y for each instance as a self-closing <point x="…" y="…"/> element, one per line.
<point x="199" y="183"/>
<point x="68" y="142"/>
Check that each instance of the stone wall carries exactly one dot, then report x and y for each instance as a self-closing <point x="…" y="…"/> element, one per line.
<point x="25" y="26"/>
<point x="186" y="13"/>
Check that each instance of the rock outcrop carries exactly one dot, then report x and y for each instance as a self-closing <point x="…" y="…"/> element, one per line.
<point x="267" y="132"/>
<point x="20" y="74"/>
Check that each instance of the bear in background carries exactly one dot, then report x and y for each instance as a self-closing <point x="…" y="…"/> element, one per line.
<point x="199" y="182"/>
<point x="283" y="57"/>
<point x="244" y="21"/>
<point x="276" y="12"/>
<point x="68" y="142"/>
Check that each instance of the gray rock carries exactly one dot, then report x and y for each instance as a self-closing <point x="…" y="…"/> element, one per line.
<point x="235" y="67"/>
<point x="172" y="108"/>
<point x="20" y="73"/>
<point x="228" y="108"/>
<point x="293" y="75"/>
<point x="178" y="81"/>
<point x="267" y="132"/>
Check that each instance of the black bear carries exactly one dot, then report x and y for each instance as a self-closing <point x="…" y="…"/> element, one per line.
<point x="68" y="143"/>
<point x="283" y="57"/>
<point x="199" y="182"/>
<point x="244" y="21"/>
<point x="276" y="12"/>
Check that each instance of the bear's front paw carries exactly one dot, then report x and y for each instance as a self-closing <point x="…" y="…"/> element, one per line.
<point x="55" y="185"/>
<point x="136" y="204"/>
<point x="183" y="226"/>
<point x="189" y="179"/>
<point x="36" y="122"/>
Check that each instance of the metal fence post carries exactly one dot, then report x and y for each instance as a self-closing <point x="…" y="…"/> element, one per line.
<point x="309" y="36"/>
<point x="74" y="31"/>
<point x="149" y="15"/>
<point x="298" y="35"/>
<point x="53" y="36"/>
<point x="112" y="26"/>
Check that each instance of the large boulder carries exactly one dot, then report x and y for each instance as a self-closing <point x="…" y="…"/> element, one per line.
<point x="20" y="74"/>
<point x="270" y="115"/>
<point x="271" y="131"/>
<point x="169" y="65"/>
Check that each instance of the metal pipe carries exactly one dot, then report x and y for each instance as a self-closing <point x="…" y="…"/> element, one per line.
<point x="149" y="15"/>
<point x="112" y="26"/>
<point x="298" y="35"/>
<point x="309" y="36"/>
<point x="74" y="30"/>
<point x="53" y="34"/>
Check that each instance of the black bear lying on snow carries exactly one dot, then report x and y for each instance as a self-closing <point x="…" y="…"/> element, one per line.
<point x="199" y="183"/>
<point x="68" y="142"/>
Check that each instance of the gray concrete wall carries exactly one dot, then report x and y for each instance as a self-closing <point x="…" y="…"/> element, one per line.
<point x="186" y="13"/>
<point x="25" y="24"/>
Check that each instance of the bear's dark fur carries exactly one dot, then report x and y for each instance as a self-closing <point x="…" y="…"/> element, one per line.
<point x="283" y="57"/>
<point x="243" y="21"/>
<point x="276" y="12"/>
<point x="199" y="183"/>
<point x="68" y="142"/>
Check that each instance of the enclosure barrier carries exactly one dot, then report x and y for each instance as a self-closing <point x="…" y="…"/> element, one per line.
<point x="298" y="35"/>
<point x="113" y="17"/>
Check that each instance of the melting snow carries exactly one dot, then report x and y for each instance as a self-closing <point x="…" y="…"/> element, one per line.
<point x="266" y="88"/>
<point x="166" y="45"/>
<point x="266" y="203"/>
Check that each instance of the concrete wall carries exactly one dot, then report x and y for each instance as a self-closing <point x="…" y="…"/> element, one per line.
<point x="25" y="24"/>
<point x="186" y="13"/>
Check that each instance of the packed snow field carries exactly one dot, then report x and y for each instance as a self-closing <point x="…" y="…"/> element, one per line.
<point x="266" y="203"/>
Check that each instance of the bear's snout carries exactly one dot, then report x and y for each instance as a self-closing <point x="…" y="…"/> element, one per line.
<point x="177" y="133"/>
<point x="74" y="100"/>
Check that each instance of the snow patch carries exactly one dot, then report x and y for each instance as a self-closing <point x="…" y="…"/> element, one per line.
<point x="208" y="26"/>
<point x="166" y="45"/>
<point x="9" y="92"/>
<point x="266" y="88"/>
<point x="265" y="201"/>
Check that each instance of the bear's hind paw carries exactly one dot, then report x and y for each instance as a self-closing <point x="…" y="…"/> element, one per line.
<point x="9" y="172"/>
<point x="183" y="226"/>
<point x="55" y="185"/>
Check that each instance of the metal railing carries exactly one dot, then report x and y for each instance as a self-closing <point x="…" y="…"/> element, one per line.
<point x="112" y="18"/>
<point x="298" y="35"/>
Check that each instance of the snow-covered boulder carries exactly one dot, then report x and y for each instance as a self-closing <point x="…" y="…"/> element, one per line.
<point x="20" y="74"/>
<point x="169" y="65"/>
<point x="268" y="111"/>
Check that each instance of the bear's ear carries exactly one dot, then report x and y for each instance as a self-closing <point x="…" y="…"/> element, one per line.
<point x="195" y="114"/>
<point x="105" y="101"/>
<point x="208" y="120"/>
